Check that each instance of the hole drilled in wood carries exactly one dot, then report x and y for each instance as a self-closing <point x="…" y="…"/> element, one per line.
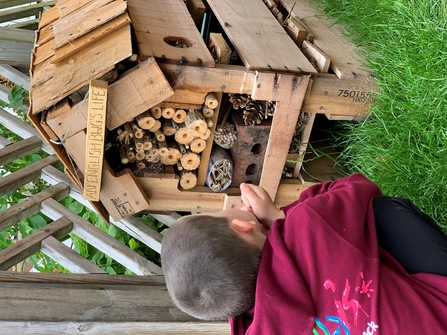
<point x="178" y="42"/>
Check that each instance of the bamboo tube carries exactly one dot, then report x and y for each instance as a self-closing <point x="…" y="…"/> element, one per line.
<point x="188" y="179"/>
<point x="179" y="166"/>
<point x="197" y="145"/>
<point x="210" y="123"/>
<point x="167" y="127"/>
<point x="137" y="131"/>
<point x="207" y="112"/>
<point x="123" y="156"/>
<point x="159" y="135"/>
<point x="179" y="116"/>
<point x="130" y="153"/>
<point x="147" y="143"/>
<point x="140" y="155"/>
<point x="139" y="144"/>
<point x="206" y="135"/>
<point x="145" y="120"/>
<point x="156" y="127"/>
<point x="211" y="101"/>
<point x="167" y="112"/>
<point x="163" y="148"/>
<point x="182" y="148"/>
<point x="156" y="112"/>
<point x="182" y="136"/>
<point x="195" y="122"/>
<point x="141" y="164"/>
<point x="190" y="161"/>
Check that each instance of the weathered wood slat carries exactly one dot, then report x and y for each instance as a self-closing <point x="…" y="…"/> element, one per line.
<point x="27" y="247"/>
<point x="31" y="205"/>
<point x="84" y="21"/>
<point x="141" y="232"/>
<point x="167" y="219"/>
<point x="4" y="142"/>
<point x="87" y="305"/>
<point x="259" y="39"/>
<point x="122" y="328"/>
<point x="16" y="46"/>
<point x="23" y="176"/>
<point x="15" y="76"/>
<point x="23" y="11"/>
<point x="290" y="96"/>
<point x="159" y="25"/>
<point x="12" y="3"/>
<point x="20" y="149"/>
<point x="330" y="38"/>
<point x="90" y="37"/>
<point x="68" y="258"/>
<point x="102" y="241"/>
<point x="86" y="281"/>
<point x="4" y="93"/>
<point x="88" y="63"/>
<point x="21" y="128"/>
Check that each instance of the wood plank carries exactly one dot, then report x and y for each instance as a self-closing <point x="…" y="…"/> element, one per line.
<point x="15" y="76"/>
<point x="316" y="55"/>
<point x="66" y="7"/>
<point x="290" y="91"/>
<point x="330" y="95"/>
<point x="4" y="142"/>
<point x="330" y="38"/>
<point x="259" y="39"/>
<point x="164" y="195"/>
<point x="22" y="129"/>
<point x="44" y="51"/>
<point x="95" y="139"/>
<point x="86" y="305"/>
<point x="27" y="247"/>
<point x="16" y="46"/>
<point x="159" y="24"/>
<point x="23" y="11"/>
<point x="75" y="71"/>
<point x="31" y="205"/>
<point x="133" y="93"/>
<point x="141" y="88"/>
<point x="123" y="328"/>
<point x="102" y="241"/>
<point x="25" y="175"/>
<point x="68" y="258"/>
<point x="48" y="16"/>
<point x="197" y="10"/>
<point x="304" y="140"/>
<point x="86" y="281"/>
<point x="141" y="232"/>
<point x="121" y="196"/>
<point x="70" y="28"/>
<point x="206" y="154"/>
<point x="20" y="149"/>
<point x="223" y="51"/>
<point x="90" y="37"/>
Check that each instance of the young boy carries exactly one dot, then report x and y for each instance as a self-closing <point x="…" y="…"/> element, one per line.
<point x="319" y="270"/>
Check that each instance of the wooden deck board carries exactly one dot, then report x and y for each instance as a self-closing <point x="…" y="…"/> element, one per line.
<point x="260" y="41"/>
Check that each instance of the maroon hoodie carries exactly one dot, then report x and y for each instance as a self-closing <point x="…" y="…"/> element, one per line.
<point x="322" y="272"/>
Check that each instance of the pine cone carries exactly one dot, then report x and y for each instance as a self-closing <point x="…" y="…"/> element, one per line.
<point x="225" y="136"/>
<point x="254" y="112"/>
<point x="239" y="100"/>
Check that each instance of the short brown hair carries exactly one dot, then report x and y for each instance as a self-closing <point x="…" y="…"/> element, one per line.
<point x="210" y="271"/>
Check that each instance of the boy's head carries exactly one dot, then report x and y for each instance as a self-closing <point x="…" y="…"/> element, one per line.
<point x="211" y="261"/>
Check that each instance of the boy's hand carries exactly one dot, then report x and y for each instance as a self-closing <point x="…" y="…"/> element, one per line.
<point x="257" y="200"/>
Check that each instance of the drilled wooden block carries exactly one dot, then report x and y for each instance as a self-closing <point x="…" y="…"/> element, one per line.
<point x="249" y="151"/>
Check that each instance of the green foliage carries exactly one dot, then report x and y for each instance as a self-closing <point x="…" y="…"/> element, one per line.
<point x="16" y="98"/>
<point x="402" y="145"/>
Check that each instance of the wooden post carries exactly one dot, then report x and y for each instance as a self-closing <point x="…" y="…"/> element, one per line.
<point x="94" y="149"/>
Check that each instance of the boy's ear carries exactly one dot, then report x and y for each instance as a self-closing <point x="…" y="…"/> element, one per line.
<point x="242" y="226"/>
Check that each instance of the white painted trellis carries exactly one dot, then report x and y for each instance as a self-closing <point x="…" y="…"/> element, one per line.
<point x="88" y="300"/>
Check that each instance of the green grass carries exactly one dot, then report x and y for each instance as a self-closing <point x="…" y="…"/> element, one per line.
<point x="402" y="146"/>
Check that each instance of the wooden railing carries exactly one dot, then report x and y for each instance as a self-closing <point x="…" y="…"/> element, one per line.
<point x="87" y="300"/>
